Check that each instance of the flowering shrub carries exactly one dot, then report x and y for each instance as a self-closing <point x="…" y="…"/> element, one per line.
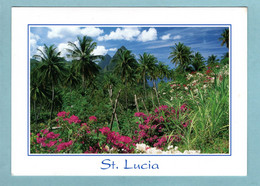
<point x="69" y="135"/>
<point x="163" y="127"/>
<point x="72" y="135"/>
<point x="116" y="142"/>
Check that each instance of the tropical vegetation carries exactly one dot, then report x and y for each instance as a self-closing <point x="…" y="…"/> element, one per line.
<point x="104" y="104"/>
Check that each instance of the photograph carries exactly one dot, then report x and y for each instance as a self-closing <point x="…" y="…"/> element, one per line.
<point x="129" y="89"/>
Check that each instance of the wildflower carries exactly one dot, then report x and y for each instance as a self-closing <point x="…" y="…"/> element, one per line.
<point x="72" y="119"/>
<point x="92" y="118"/>
<point x="208" y="72"/>
<point x="141" y="147"/>
<point x="140" y="114"/>
<point x="45" y="131"/>
<point x="104" y="130"/>
<point x="63" y="114"/>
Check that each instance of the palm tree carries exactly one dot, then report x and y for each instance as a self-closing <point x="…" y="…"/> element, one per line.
<point x="181" y="55"/>
<point x="154" y="74"/>
<point x="163" y="70"/>
<point x="225" y="59"/>
<point x="146" y="64"/>
<point x="212" y="60"/>
<point x="51" y="68"/>
<point x="225" y="38"/>
<point x="39" y="94"/>
<point x="72" y="79"/>
<point x="125" y="65"/>
<point x="85" y="60"/>
<point x="197" y="62"/>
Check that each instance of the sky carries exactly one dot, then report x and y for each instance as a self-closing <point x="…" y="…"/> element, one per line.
<point x="155" y="40"/>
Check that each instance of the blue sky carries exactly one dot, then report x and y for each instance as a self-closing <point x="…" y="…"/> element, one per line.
<point x="154" y="40"/>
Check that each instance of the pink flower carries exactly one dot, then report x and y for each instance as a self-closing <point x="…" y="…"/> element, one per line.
<point x="162" y="107"/>
<point x="140" y="114"/>
<point x="72" y="119"/>
<point x="45" y="131"/>
<point x="83" y="124"/>
<point x="63" y="114"/>
<point x="51" y="143"/>
<point x="63" y="146"/>
<point x="104" y="130"/>
<point x="51" y="135"/>
<point x="183" y="107"/>
<point x="92" y="118"/>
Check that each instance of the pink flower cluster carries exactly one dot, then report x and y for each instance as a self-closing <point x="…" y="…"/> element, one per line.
<point x="63" y="114"/>
<point x="92" y="118"/>
<point x="153" y="126"/>
<point x="116" y="141"/>
<point x="63" y="145"/>
<point x="45" y="138"/>
<point x="71" y="119"/>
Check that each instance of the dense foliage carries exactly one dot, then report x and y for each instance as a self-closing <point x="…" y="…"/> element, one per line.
<point x="111" y="108"/>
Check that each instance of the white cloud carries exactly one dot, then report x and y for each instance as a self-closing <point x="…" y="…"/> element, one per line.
<point x="62" y="48"/>
<point x="112" y="49"/>
<point x="34" y="36"/>
<point x="149" y="35"/>
<point x="91" y="31"/>
<point x="33" y="43"/>
<point x="177" y="37"/>
<point x="36" y="51"/>
<point x="161" y="46"/>
<point x="61" y="32"/>
<point x="126" y="33"/>
<point x="166" y="37"/>
<point x="100" y="50"/>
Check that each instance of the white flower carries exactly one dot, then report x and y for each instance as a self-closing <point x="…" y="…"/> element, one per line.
<point x="141" y="147"/>
<point x="154" y="151"/>
<point x="199" y="74"/>
<point x="170" y="147"/>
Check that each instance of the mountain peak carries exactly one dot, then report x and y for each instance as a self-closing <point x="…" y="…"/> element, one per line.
<point x="123" y="48"/>
<point x="106" y="60"/>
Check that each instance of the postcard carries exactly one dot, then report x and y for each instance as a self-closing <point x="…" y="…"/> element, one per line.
<point x="129" y="91"/>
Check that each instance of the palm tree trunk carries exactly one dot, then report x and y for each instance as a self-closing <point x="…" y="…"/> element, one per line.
<point x="152" y="99"/>
<point x="110" y="92"/>
<point x="114" y="110"/>
<point x="83" y="81"/>
<point x="136" y="104"/>
<point x="52" y="100"/>
<point x="70" y="96"/>
<point x="155" y="89"/>
<point x="126" y="96"/>
<point x="34" y="108"/>
<point x="39" y="112"/>
<point x="145" y="106"/>
<point x="144" y="86"/>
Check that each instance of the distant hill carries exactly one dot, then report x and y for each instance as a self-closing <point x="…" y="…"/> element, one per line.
<point x="112" y="64"/>
<point x="103" y="63"/>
